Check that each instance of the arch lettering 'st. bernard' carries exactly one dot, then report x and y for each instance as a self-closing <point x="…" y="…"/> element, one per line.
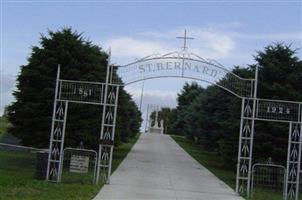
<point x="185" y="66"/>
<point x="182" y="67"/>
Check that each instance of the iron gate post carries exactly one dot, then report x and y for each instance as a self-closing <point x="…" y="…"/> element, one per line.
<point x="103" y="120"/>
<point x="53" y="117"/>
<point x="56" y="144"/>
<point x="246" y="141"/>
<point x="293" y="161"/>
<point x="110" y="103"/>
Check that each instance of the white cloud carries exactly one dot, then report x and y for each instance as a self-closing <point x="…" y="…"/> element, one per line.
<point x="7" y="84"/>
<point x="214" y="40"/>
<point x="212" y="44"/>
<point x="125" y="47"/>
<point x="208" y="42"/>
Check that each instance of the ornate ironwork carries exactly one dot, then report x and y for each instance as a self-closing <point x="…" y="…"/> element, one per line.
<point x="79" y="91"/>
<point x="245" y="147"/>
<point x="57" y="141"/>
<point x="277" y="110"/>
<point x="293" y="161"/>
<point x="268" y="175"/>
<point x="107" y="133"/>
<point x="91" y="154"/>
<point x="186" y="65"/>
<point x="85" y="92"/>
<point x="105" y="94"/>
<point x="111" y="93"/>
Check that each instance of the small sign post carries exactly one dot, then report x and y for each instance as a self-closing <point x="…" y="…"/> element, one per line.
<point x="79" y="164"/>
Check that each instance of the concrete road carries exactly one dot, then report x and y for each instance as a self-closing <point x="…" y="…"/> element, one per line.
<point x="157" y="168"/>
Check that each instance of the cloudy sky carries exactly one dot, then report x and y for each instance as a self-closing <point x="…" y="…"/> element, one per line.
<point x="229" y="31"/>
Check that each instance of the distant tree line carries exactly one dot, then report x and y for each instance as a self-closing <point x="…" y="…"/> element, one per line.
<point x="31" y="113"/>
<point x="211" y="116"/>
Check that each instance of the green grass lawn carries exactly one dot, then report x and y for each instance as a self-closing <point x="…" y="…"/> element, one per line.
<point x="213" y="163"/>
<point x="17" y="178"/>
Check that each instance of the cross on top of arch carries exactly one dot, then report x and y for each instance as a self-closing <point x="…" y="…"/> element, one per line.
<point x="185" y="38"/>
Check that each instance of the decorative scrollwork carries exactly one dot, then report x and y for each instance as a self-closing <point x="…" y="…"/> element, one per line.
<point x="185" y="65"/>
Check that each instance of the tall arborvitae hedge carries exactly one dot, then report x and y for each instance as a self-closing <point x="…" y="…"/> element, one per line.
<point x="213" y="115"/>
<point x="31" y="113"/>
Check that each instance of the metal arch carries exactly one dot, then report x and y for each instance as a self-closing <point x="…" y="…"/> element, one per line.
<point x="185" y="58"/>
<point x="184" y="77"/>
<point x="201" y="59"/>
<point x="186" y="65"/>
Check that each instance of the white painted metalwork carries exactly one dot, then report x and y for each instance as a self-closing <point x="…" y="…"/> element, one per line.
<point x="293" y="161"/>
<point x="186" y="65"/>
<point x="108" y="127"/>
<point x="246" y="139"/>
<point x="89" y="152"/>
<point x="84" y="92"/>
<point x="57" y="136"/>
<point x="265" y="110"/>
<point x="268" y="175"/>
<point x="278" y="110"/>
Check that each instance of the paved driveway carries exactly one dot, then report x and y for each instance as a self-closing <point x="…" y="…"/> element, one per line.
<point x="157" y="168"/>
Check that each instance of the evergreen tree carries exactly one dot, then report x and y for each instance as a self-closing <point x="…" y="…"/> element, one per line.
<point x="280" y="77"/>
<point x="184" y="99"/>
<point x="212" y="117"/>
<point x="31" y="114"/>
<point x="128" y="118"/>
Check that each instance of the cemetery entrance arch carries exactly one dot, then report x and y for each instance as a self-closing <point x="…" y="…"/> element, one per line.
<point x="179" y="64"/>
